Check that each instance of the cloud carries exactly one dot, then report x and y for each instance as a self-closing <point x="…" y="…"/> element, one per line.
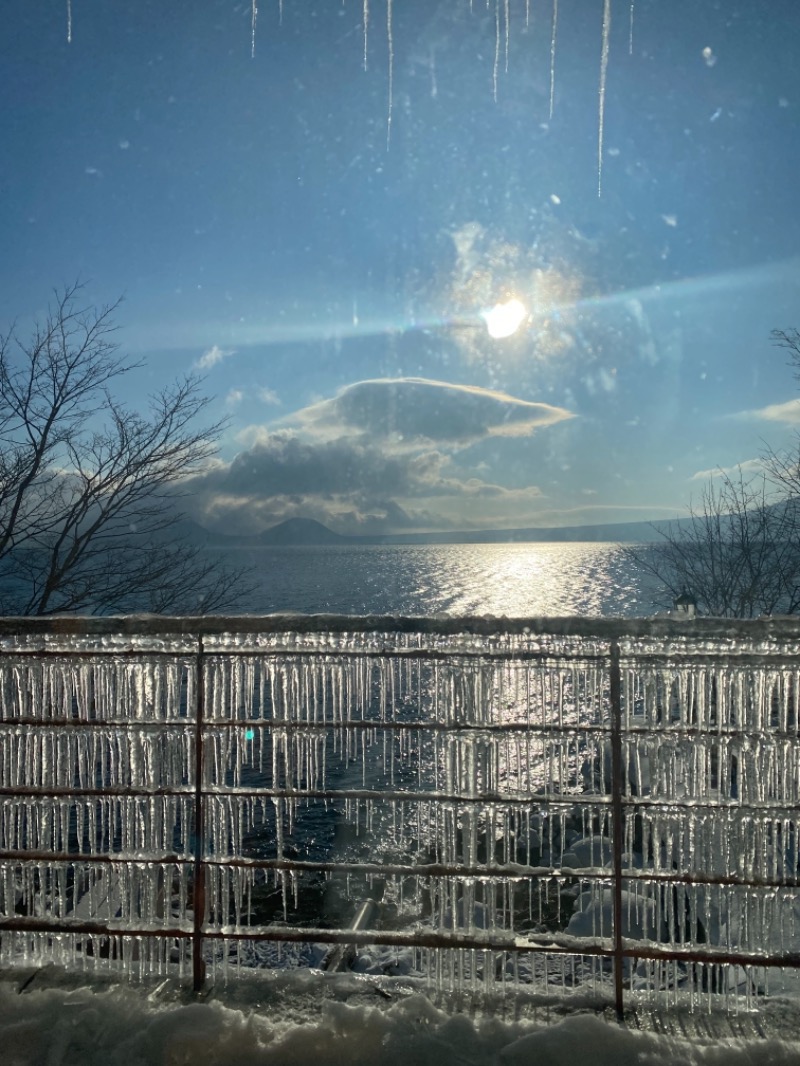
<point x="284" y="463"/>
<point x="379" y="456"/>
<point x="749" y="468"/>
<point x="212" y="356"/>
<point x="352" y="485"/>
<point x="788" y="412"/>
<point x="268" y="396"/>
<point x="417" y="412"/>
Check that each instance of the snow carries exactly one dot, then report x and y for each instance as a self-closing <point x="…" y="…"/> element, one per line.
<point x="330" y="1020"/>
<point x="595" y="916"/>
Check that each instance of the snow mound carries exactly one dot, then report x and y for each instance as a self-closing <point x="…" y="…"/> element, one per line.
<point x="327" y="1024"/>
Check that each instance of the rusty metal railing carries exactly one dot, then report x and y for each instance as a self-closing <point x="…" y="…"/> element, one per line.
<point x="174" y="792"/>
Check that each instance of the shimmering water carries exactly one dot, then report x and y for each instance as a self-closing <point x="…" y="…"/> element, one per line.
<point x="459" y="579"/>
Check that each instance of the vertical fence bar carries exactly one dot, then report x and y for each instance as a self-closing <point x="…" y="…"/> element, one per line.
<point x="617" y="789"/>
<point x="199" y="889"/>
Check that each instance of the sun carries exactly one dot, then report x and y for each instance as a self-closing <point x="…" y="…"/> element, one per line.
<point x="504" y="319"/>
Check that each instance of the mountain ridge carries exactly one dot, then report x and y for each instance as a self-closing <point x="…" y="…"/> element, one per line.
<point x="308" y="531"/>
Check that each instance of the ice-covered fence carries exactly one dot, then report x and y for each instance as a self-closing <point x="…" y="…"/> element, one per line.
<point x="591" y="806"/>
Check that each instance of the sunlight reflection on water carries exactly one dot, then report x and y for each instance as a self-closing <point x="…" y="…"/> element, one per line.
<point x="516" y="580"/>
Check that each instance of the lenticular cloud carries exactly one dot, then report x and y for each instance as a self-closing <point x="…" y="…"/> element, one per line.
<point x="414" y="411"/>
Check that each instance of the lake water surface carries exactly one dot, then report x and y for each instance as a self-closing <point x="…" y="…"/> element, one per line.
<point x="516" y="580"/>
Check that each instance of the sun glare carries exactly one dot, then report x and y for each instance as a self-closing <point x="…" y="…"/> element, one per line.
<point x="503" y="320"/>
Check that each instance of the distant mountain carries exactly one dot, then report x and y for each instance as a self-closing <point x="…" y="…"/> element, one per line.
<point x="301" y="531"/>
<point x="622" y="532"/>
<point x="188" y="531"/>
<point x="308" y="531"/>
<point x="292" y="531"/>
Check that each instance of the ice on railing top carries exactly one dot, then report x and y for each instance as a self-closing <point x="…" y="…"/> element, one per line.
<point x="762" y="639"/>
<point x="104" y="643"/>
<point x="422" y="641"/>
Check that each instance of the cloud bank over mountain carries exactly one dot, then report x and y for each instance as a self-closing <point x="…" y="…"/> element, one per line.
<point x="380" y="455"/>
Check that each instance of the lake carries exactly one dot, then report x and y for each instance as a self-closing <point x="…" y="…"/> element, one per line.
<point x="516" y="580"/>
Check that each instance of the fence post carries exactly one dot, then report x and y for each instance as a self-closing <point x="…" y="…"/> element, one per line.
<point x="199" y="889"/>
<point x="617" y="790"/>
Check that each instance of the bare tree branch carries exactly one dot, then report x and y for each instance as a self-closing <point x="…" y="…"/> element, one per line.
<point x="88" y="487"/>
<point x="738" y="552"/>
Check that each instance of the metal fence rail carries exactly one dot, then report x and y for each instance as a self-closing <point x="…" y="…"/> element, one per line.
<point x="566" y="804"/>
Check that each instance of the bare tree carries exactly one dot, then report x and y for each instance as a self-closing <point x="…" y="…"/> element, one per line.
<point x="89" y="488"/>
<point x="783" y="467"/>
<point x="738" y="552"/>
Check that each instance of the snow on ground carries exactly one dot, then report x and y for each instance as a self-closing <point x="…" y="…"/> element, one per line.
<point x="347" y="1020"/>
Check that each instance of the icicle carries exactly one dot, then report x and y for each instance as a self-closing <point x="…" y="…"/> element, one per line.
<point x="253" y="20"/>
<point x="527" y="13"/>
<point x="630" y="35"/>
<point x="366" y="31"/>
<point x="390" y="43"/>
<point x="553" y="38"/>
<point x="496" y="65"/>
<point x="602" y="92"/>
<point x="508" y="28"/>
<point x="69" y="21"/>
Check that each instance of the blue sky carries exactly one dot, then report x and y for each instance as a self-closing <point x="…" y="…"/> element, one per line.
<point x="330" y="286"/>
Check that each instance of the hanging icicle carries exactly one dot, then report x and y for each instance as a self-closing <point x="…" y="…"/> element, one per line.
<point x="630" y="34"/>
<point x="508" y="28"/>
<point x="390" y="42"/>
<point x="602" y="93"/>
<point x="496" y="65"/>
<point x="553" y="38"/>
<point x="365" y="20"/>
<point x="253" y="20"/>
<point x="69" y="21"/>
